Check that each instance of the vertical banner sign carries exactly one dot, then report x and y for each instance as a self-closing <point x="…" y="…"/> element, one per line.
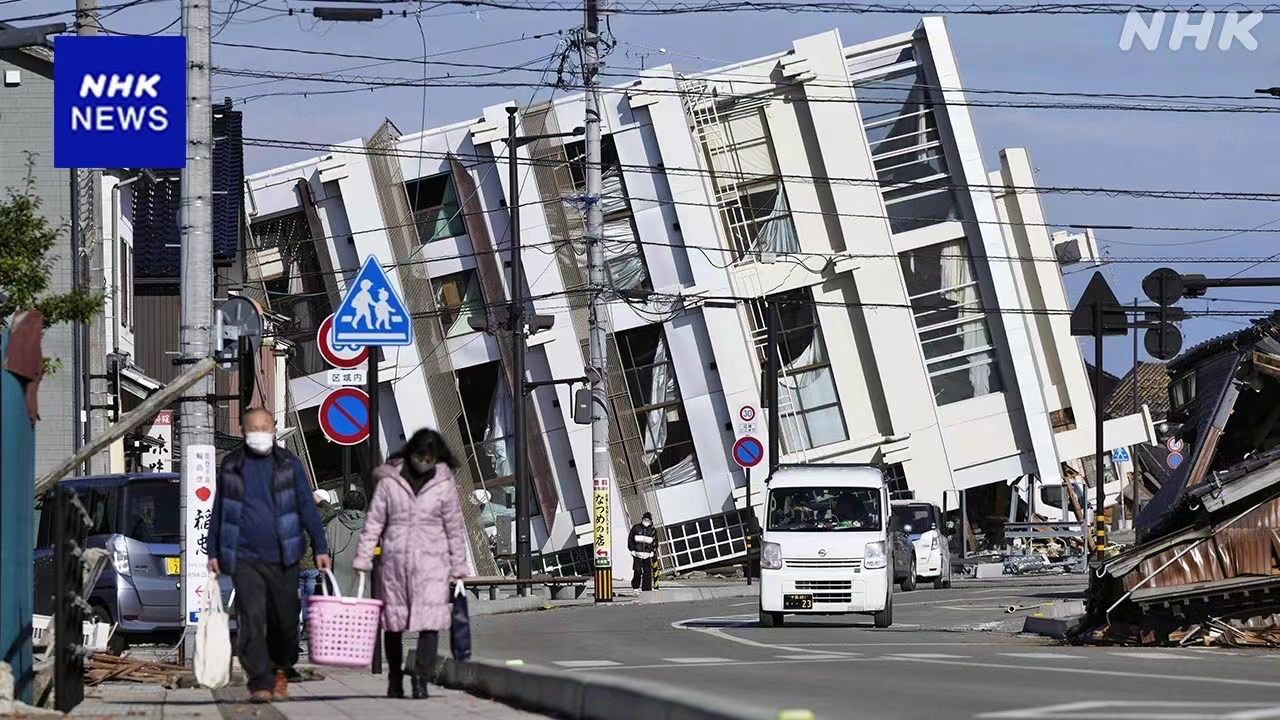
<point x="159" y="456"/>
<point x="120" y="102"/>
<point x="603" y="542"/>
<point x="201" y="482"/>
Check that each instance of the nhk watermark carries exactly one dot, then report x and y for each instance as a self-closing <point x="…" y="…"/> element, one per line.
<point x="1149" y="30"/>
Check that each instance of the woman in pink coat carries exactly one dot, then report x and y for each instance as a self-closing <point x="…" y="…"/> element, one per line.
<point x="416" y="516"/>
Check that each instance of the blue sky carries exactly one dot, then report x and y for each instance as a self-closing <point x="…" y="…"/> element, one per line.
<point x="1125" y="149"/>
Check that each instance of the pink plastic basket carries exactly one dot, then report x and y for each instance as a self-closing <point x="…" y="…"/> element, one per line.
<point x="342" y="631"/>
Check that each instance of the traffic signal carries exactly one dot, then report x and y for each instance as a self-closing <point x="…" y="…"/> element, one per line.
<point x="1163" y="339"/>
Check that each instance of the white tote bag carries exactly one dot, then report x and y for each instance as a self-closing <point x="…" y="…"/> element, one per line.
<point x="213" y="641"/>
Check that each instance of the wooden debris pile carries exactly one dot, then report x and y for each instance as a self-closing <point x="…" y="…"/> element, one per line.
<point x="103" y="668"/>
<point x="1216" y="633"/>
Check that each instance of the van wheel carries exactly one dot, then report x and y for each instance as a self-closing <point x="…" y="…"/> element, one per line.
<point x="884" y="618"/>
<point x="909" y="582"/>
<point x="770" y="619"/>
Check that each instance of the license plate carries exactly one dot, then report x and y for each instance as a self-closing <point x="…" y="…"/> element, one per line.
<point x="173" y="566"/>
<point x="797" y="602"/>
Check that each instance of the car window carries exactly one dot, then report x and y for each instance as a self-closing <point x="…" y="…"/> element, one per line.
<point x="151" y="512"/>
<point x="919" y="518"/>
<point x="824" y="509"/>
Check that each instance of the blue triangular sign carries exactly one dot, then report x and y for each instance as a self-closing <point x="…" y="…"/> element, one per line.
<point x="372" y="313"/>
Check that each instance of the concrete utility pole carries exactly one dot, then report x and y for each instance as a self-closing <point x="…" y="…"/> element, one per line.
<point x="195" y="415"/>
<point x="601" y="468"/>
<point x="524" y="547"/>
<point x="88" y="190"/>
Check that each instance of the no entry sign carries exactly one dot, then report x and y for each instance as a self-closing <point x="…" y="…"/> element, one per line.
<point x="344" y="416"/>
<point x="345" y="357"/>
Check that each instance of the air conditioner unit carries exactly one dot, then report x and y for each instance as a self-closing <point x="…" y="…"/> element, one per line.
<point x="1071" y="248"/>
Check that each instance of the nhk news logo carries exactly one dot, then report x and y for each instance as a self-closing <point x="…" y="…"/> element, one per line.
<point x="1149" y="30"/>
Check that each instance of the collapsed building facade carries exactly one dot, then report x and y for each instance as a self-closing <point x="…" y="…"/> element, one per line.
<point x="1208" y="543"/>
<point x="921" y="294"/>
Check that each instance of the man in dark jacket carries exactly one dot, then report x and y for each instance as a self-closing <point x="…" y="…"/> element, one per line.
<point x="262" y="507"/>
<point x="642" y="542"/>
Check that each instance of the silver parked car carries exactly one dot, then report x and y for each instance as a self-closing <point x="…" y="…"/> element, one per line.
<point x="137" y="519"/>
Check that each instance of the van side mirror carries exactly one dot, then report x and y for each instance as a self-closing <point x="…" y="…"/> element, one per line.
<point x="895" y="524"/>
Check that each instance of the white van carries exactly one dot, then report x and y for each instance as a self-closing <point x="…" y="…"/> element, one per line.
<point x="826" y="548"/>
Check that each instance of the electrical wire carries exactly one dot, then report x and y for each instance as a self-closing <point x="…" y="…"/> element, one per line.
<point x="375" y="82"/>
<point x="841" y="7"/>
<point x="1139" y="193"/>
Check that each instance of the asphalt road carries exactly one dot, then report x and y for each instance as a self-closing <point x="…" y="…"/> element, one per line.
<point x="950" y="654"/>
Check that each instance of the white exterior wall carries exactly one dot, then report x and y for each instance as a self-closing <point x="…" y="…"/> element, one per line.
<point x="877" y="363"/>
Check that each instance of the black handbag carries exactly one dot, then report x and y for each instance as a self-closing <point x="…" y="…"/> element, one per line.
<point x="460" y="627"/>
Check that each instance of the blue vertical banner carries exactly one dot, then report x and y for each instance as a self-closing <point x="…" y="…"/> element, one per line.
<point x="120" y="102"/>
<point x="17" y="525"/>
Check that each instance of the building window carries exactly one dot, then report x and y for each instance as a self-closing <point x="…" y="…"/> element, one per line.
<point x="488" y="423"/>
<point x="748" y="183"/>
<point x="808" y="404"/>
<point x="704" y="541"/>
<point x="458" y="298"/>
<point x="665" y="435"/>
<point x="951" y="322"/>
<point x="906" y="148"/>
<point x="623" y="261"/>
<point x="435" y="207"/>
<point x="1182" y="391"/>
<point x="895" y="479"/>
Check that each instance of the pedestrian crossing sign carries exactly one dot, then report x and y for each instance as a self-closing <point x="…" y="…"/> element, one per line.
<point x="372" y="314"/>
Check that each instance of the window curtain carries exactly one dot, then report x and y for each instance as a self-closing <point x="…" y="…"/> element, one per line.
<point x="778" y="235"/>
<point x="622" y="255"/>
<point x="662" y="389"/>
<point x="500" y="426"/>
<point x="955" y="272"/>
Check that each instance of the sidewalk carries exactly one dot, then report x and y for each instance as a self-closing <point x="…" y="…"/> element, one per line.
<point x="341" y="695"/>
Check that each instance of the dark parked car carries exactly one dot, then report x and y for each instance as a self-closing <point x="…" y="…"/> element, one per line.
<point x="137" y="519"/>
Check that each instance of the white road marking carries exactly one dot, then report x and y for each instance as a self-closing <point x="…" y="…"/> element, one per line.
<point x="1147" y="655"/>
<point x="1045" y="656"/>
<point x="734" y="663"/>
<point x="1137" y="710"/>
<point x="1259" y="714"/>
<point x="1109" y="673"/>
<point x="699" y="660"/>
<point x="691" y="624"/>
<point x="929" y="656"/>
<point x="585" y="663"/>
<point x="904" y="644"/>
<point x="811" y="657"/>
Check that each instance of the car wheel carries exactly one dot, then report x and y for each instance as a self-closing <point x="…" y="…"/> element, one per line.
<point x="99" y="614"/>
<point x="770" y="619"/>
<point x="884" y="618"/>
<point x="944" y="579"/>
<point x="909" y="582"/>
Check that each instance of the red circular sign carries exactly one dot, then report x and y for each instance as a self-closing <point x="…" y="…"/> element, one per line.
<point x="748" y="451"/>
<point x="345" y="357"/>
<point x="747" y="413"/>
<point x="344" y="416"/>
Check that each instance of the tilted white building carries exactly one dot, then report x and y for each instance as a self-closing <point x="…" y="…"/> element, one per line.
<point x="919" y="295"/>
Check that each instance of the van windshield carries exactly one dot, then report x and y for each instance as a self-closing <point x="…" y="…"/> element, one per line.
<point x="151" y="512"/>
<point x="824" y="509"/>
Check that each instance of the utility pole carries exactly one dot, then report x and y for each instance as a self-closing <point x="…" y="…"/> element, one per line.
<point x="524" y="546"/>
<point x="88" y="191"/>
<point x="601" y="468"/>
<point x="196" y="416"/>
<point x="82" y="219"/>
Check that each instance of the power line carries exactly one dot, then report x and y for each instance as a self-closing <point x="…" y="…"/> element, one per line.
<point x="837" y="7"/>
<point x="1140" y="193"/>
<point x="372" y="82"/>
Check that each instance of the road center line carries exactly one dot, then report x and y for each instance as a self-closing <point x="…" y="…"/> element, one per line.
<point x="733" y="663"/>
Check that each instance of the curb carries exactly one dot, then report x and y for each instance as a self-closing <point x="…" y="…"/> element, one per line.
<point x="693" y="594"/>
<point x="478" y="608"/>
<point x="585" y="697"/>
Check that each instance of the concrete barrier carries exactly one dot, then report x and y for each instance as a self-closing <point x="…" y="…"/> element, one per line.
<point x="579" y="696"/>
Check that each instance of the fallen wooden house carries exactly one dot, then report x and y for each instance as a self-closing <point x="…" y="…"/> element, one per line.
<point x="1208" y="542"/>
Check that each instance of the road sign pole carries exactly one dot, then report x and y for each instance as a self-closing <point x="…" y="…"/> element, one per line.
<point x="751" y="524"/>
<point x="375" y="459"/>
<point x="1100" y="527"/>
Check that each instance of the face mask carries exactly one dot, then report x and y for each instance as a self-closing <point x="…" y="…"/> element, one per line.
<point x="419" y="466"/>
<point x="647" y="523"/>
<point x="260" y="442"/>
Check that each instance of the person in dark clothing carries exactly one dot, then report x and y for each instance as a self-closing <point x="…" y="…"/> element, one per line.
<point x="261" y="509"/>
<point x="641" y="541"/>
